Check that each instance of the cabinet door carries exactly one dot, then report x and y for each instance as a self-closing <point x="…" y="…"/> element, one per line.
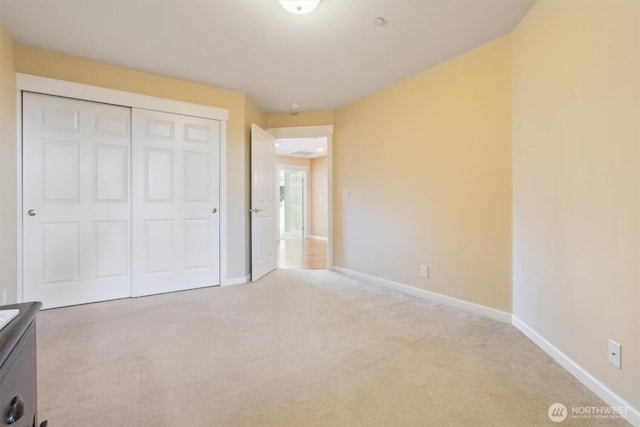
<point x="18" y="387"/>
<point x="76" y="199"/>
<point x="175" y="202"/>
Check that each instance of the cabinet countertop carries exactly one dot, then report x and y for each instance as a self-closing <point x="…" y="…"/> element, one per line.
<point x="11" y="334"/>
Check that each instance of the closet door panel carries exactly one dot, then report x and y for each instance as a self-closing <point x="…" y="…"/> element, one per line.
<point x="175" y="193"/>
<point x="76" y="219"/>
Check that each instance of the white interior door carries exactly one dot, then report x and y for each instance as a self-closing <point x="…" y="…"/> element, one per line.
<point x="296" y="202"/>
<point x="76" y="227"/>
<point x="263" y="203"/>
<point x="175" y="202"/>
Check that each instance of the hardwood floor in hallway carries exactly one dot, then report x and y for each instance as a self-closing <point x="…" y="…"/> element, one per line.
<point x="302" y="253"/>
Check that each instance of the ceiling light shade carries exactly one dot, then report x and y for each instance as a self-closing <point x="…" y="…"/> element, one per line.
<point x="299" y="7"/>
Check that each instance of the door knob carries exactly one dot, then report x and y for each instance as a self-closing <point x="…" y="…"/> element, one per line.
<point x="32" y="212"/>
<point x="214" y="210"/>
<point x="16" y="411"/>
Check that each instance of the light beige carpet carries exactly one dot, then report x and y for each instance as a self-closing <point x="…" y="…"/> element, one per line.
<point x="298" y="348"/>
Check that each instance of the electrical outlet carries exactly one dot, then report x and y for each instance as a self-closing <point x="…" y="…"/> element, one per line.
<point x="614" y="353"/>
<point x="424" y="271"/>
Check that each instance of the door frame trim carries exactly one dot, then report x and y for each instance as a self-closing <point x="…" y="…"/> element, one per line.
<point x="316" y="132"/>
<point x="48" y="86"/>
<point x="85" y="92"/>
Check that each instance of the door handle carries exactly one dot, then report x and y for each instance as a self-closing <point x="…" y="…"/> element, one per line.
<point x="16" y="411"/>
<point x="32" y="212"/>
<point x="214" y="210"/>
<point x="255" y="210"/>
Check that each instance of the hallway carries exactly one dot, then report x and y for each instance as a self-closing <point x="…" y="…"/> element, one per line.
<point x="302" y="253"/>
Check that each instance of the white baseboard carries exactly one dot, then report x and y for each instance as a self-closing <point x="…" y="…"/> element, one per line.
<point x="319" y="237"/>
<point x="632" y="415"/>
<point x="482" y="310"/>
<point x="236" y="281"/>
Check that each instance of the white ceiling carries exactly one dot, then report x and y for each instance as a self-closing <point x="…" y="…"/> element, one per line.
<point x="322" y="60"/>
<point x="306" y="148"/>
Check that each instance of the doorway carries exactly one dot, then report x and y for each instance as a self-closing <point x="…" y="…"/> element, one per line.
<point x="302" y="185"/>
<point x="293" y="201"/>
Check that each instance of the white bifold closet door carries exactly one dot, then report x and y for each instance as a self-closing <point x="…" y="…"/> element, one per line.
<point x="118" y="202"/>
<point x="175" y="202"/>
<point x="76" y="200"/>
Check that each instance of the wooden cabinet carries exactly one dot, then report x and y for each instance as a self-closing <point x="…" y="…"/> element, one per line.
<point x="18" y="374"/>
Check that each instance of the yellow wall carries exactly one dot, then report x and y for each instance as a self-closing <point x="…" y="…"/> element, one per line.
<point x="427" y="164"/>
<point x="294" y="161"/>
<point x="311" y="118"/>
<point x="319" y="180"/>
<point x="62" y="67"/>
<point x="252" y="114"/>
<point x="576" y="151"/>
<point x="8" y="169"/>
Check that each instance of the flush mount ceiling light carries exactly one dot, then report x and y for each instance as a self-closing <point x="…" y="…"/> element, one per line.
<point x="299" y="7"/>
